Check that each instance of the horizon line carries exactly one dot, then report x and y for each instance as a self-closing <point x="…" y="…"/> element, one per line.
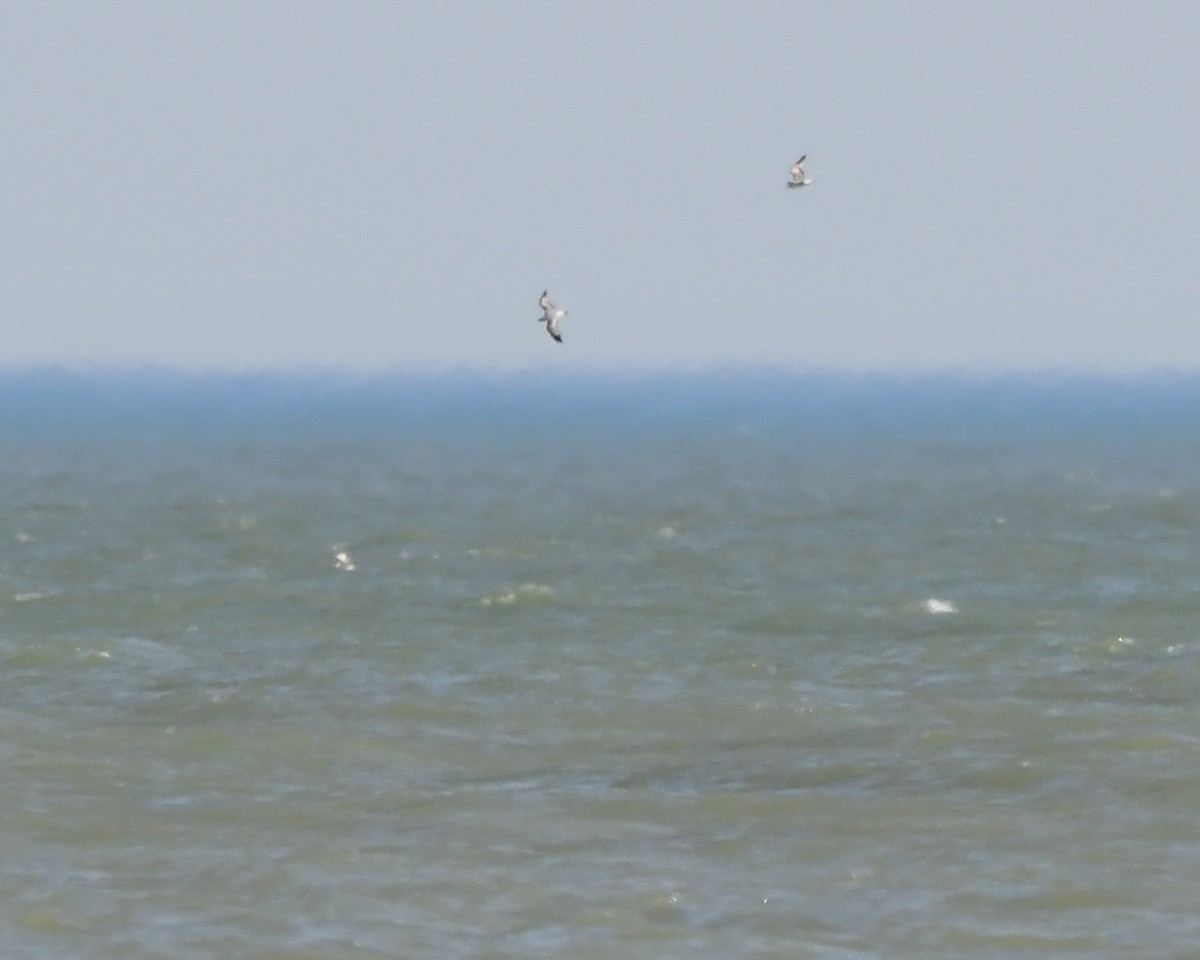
<point x="347" y="373"/>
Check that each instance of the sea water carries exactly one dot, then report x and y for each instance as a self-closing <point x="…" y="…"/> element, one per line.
<point x="723" y="667"/>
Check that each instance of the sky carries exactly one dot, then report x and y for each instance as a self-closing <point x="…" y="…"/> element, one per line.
<point x="389" y="186"/>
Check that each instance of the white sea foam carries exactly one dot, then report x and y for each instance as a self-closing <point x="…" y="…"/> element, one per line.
<point x="934" y="605"/>
<point x="526" y="591"/>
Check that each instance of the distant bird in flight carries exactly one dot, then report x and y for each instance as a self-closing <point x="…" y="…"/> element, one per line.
<point x="797" y="171"/>
<point x="550" y="316"/>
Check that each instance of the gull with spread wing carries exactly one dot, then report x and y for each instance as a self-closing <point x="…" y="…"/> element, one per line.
<point x="797" y="172"/>
<point x="550" y="316"/>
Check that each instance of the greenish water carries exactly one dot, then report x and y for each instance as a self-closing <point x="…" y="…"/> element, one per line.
<point x="836" y="671"/>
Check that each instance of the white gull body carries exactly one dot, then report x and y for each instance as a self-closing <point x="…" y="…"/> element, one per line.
<point x="550" y="316"/>
<point x="797" y="172"/>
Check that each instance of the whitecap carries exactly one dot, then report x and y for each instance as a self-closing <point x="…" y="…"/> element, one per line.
<point x="1121" y="643"/>
<point x="525" y="591"/>
<point x="934" y="605"/>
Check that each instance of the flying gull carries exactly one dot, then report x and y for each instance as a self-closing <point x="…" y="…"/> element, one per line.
<point x="550" y="316"/>
<point x="797" y="171"/>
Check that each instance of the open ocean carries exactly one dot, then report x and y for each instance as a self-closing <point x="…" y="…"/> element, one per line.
<point x="715" y="666"/>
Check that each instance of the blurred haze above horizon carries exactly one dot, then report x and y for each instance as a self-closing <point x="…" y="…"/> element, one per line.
<point x="376" y="186"/>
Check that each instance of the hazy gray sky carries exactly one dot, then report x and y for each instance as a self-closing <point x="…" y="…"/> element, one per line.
<point x="391" y="185"/>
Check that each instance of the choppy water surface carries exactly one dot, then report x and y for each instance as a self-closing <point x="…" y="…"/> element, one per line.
<point x="715" y="685"/>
